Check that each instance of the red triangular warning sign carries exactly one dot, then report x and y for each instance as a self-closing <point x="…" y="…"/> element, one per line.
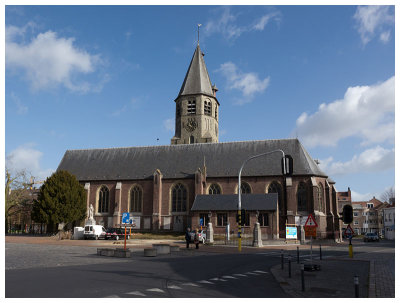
<point x="349" y="231"/>
<point x="311" y="221"/>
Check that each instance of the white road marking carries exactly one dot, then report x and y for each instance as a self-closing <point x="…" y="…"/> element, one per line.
<point x="205" y="282"/>
<point x="174" y="287"/>
<point x="240" y="275"/>
<point x="228" y="277"/>
<point x="136" y="293"/>
<point x="191" y="284"/>
<point x="112" y="296"/>
<point x="260" y="271"/>
<point x="217" y="279"/>
<point x="155" y="289"/>
<point x="251" y="273"/>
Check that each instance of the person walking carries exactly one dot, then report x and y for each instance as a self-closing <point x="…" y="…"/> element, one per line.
<point x="187" y="237"/>
<point x="196" y="238"/>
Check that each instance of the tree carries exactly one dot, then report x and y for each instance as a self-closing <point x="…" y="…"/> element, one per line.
<point x="388" y="195"/>
<point x="17" y="193"/>
<point x="61" y="200"/>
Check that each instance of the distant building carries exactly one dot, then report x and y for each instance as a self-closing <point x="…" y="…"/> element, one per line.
<point x="389" y="222"/>
<point x="365" y="215"/>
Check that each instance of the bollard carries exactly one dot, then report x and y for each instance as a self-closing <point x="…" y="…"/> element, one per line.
<point x="302" y="277"/>
<point x="281" y="258"/>
<point x="290" y="265"/>
<point x="320" y="252"/>
<point x="356" y="287"/>
<point x="298" y="255"/>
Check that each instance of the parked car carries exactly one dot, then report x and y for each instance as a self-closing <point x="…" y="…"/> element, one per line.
<point x="370" y="237"/>
<point x="202" y="236"/>
<point x="116" y="233"/>
<point x="94" y="232"/>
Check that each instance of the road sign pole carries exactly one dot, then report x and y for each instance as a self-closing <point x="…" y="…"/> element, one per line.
<point x="125" y="238"/>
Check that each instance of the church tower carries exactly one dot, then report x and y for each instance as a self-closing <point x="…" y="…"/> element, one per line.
<point x="197" y="108"/>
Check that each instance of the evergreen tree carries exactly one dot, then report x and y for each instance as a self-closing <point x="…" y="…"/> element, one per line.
<point x="61" y="200"/>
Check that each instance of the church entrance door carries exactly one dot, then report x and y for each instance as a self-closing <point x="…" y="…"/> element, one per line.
<point x="178" y="223"/>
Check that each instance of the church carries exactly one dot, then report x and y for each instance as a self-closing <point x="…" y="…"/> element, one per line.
<point x="194" y="180"/>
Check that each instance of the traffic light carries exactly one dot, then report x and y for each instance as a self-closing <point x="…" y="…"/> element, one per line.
<point x="347" y="214"/>
<point x="287" y="165"/>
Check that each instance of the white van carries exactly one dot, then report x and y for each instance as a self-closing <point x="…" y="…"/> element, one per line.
<point x="94" y="232"/>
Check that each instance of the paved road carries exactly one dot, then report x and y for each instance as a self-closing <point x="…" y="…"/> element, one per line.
<point x="59" y="271"/>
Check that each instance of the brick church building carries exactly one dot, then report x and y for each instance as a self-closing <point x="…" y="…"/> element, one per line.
<point x="194" y="180"/>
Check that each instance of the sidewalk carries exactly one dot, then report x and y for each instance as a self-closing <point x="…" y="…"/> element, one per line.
<point x="336" y="278"/>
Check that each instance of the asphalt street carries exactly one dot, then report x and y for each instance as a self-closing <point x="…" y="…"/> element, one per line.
<point x="53" y="271"/>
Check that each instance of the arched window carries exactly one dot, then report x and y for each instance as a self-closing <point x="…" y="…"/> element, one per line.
<point x="179" y="198"/>
<point x="320" y="196"/>
<point x="245" y="188"/>
<point x="104" y="200"/>
<point x="136" y="199"/>
<point x="275" y="187"/>
<point x="302" y="197"/>
<point x="214" y="189"/>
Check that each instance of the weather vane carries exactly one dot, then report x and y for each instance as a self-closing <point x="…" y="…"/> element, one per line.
<point x="198" y="34"/>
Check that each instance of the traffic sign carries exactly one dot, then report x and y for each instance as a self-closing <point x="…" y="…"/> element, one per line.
<point x="310" y="231"/>
<point x="125" y="218"/>
<point x="311" y="221"/>
<point x="349" y="231"/>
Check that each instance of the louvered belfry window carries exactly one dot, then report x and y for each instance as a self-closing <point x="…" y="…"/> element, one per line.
<point x="104" y="200"/>
<point x="136" y="199"/>
<point x="179" y="198"/>
<point x="191" y="107"/>
<point x="207" y="108"/>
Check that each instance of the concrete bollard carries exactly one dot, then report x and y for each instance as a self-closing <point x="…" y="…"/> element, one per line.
<point x="122" y="253"/>
<point x="356" y="287"/>
<point x="162" y="248"/>
<point x="150" y="252"/>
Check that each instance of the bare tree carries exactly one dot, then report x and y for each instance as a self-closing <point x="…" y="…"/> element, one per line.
<point x="17" y="192"/>
<point x="388" y="195"/>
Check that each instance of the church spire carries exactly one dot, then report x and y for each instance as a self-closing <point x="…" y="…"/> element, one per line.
<point x="197" y="80"/>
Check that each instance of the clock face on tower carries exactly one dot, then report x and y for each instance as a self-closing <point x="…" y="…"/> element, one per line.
<point x="191" y="125"/>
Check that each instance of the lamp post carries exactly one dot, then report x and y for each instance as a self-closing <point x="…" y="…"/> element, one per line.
<point x="285" y="170"/>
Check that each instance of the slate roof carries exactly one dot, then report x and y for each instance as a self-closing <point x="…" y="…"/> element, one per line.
<point x="183" y="160"/>
<point x="197" y="80"/>
<point x="230" y="202"/>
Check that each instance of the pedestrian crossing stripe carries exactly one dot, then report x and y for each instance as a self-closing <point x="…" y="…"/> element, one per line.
<point x="191" y="284"/>
<point x="174" y="287"/>
<point x="261" y="272"/>
<point x="205" y="282"/>
<point x="251" y="273"/>
<point x="136" y="293"/>
<point x="228" y="277"/>
<point x="217" y="279"/>
<point x="240" y="275"/>
<point x="155" y="290"/>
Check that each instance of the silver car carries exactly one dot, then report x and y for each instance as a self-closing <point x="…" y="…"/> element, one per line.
<point x="370" y="237"/>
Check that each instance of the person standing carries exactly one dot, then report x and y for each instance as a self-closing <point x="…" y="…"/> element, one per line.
<point x="196" y="238"/>
<point x="187" y="237"/>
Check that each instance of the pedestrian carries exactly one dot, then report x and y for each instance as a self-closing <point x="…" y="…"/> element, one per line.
<point x="187" y="237"/>
<point x="196" y="238"/>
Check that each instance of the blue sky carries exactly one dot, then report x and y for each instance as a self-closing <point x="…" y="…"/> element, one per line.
<point x="79" y="77"/>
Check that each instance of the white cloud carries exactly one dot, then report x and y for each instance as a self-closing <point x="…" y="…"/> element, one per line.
<point x="225" y="24"/>
<point x="21" y="108"/>
<point x="263" y="21"/>
<point x="48" y="60"/>
<point x="247" y="83"/>
<point x="369" y="161"/>
<point x="169" y="124"/>
<point x="373" y="20"/>
<point x="365" y="111"/>
<point x="27" y="158"/>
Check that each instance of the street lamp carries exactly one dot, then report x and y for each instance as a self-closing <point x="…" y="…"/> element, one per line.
<point x="287" y="169"/>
